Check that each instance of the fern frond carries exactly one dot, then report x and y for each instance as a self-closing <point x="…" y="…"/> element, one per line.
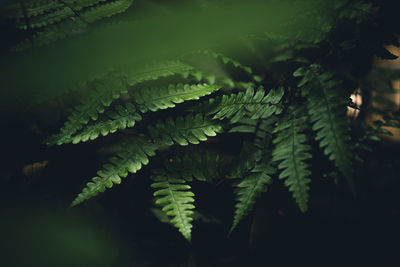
<point x="292" y="152"/>
<point x="156" y="70"/>
<point x="202" y="166"/>
<point x="51" y="34"/>
<point x="255" y="105"/>
<point x="327" y="109"/>
<point x="106" y="10"/>
<point x="156" y="98"/>
<point x="135" y="154"/>
<point x="106" y="90"/>
<point x="251" y="187"/>
<point x="175" y="197"/>
<point x="227" y="60"/>
<point x="184" y="130"/>
<point x="33" y="8"/>
<point x="118" y="119"/>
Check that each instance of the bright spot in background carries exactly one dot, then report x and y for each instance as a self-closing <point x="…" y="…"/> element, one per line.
<point x="353" y="112"/>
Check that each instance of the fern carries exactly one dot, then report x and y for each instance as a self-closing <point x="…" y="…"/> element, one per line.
<point x="326" y="107"/>
<point x="184" y="130"/>
<point x="195" y="165"/>
<point x="106" y="10"/>
<point x="292" y="152"/>
<point x="253" y="104"/>
<point x="145" y="99"/>
<point x="176" y="199"/>
<point x="156" y="70"/>
<point x="135" y="154"/>
<point x="156" y="98"/>
<point x="251" y="187"/>
<point x="118" y="119"/>
<point x="105" y="92"/>
<point x="60" y="19"/>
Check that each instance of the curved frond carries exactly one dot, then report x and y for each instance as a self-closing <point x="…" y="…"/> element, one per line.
<point x="251" y="187"/>
<point x="135" y="154"/>
<point x="118" y="119"/>
<point x="176" y="199"/>
<point x="156" y="98"/>
<point x="327" y="109"/>
<point x="292" y="152"/>
<point x="202" y="166"/>
<point x="184" y="130"/>
<point x="106" y="10"/>
<point x="255" y="105"/>
<point x="106" y="90"/>
<point x="156" y="70"/>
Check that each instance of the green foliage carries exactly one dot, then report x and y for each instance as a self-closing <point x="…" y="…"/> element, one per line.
<point x="58" y="19"/>
<point x="156" y="98"/>
<point x="176" y="199"/>
<point x="326" y="106"/>
<point x="134" y="155"/>
<point x="195" y="165"/>
<point x="274" y="110"/>
<point x="118" y="119"/>
<point x="184" y="130"/>
<point x="253" y="184"/>
<point x="103" y="93"/>
<point x="292" y="152"/>
<point x="256" y="105"/>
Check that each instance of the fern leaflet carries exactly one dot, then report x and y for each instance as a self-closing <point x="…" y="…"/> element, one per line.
<point x="156" y="98"/>
<point x="251" y="187"/>
<point x="292" y="152"/>
<point x="184" y="130"/>
<point x="156" y="70"/>
<point x="135" y="154"/>
<point x="176" y="199"/>
<point x="327" y="112"/>
<point x="195" y="165"/>
<point x="253" y="104"/>
<point x="118" y="119"/>
<point x="105" y="92"/>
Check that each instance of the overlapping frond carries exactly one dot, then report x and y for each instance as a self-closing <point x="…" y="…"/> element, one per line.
<point x="156" y="98"/>
<point x="106" y="10"/>
<point x="184" y="130"/>
<point x="56" y="20"/>
<point x="252" y="185"/>
<point x="327" y="107"/>
<point x="118" y="119"/>
<point x="134" y="155"/>
<point x="254" y="104"/>
<point x="292" y="152"/>
<point x="176" y="199"/>
<point x="202" y="166"/>
<point x="104" y="92"/>
<point x="156" y="70"/>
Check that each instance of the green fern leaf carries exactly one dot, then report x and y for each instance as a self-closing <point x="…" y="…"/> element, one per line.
<point x="202" y="166"/>
<point x="177" y="201"/>
<point x="156" y="98"/>
<point x="191" y="129"/>
<point x="292" y="152"/>
<point x="156" y="70"/>
<point x="255" y="105"/>
<point x="106" y="90"/>
<point x="106" y="10"/>
<point x="135" y="154"/>
<point x="251" y="187"/>
<point x="327" y="107"/>
<point x="118" y="119"/>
